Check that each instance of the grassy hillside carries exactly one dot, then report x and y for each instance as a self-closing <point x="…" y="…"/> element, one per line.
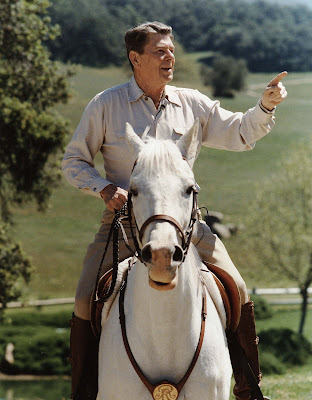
<point x="57" y="240"/>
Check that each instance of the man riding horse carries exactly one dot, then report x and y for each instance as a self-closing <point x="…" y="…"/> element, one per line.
<point x="154" y="109"/>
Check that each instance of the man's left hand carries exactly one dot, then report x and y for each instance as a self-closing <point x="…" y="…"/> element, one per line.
<point x="274" y="93"/>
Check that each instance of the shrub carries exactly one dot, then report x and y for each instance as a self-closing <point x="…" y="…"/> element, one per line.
<point x="39" y="352"/>
<point x="57" y="319"/>
<point x="262" y="309"/>
<point x="226" y="75"/>
<point x="288" y="346"/>
<point x="270" y="364"/>
<point x="15" y="267"/>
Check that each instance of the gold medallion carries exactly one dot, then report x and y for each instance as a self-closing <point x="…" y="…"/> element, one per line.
<point x="165" y="391"/>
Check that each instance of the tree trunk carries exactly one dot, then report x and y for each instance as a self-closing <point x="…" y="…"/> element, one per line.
<point x="305" y="296"/>
<point x="304" y="307"/>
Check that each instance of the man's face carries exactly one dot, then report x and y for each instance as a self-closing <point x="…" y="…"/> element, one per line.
<point x="155" y="65"/>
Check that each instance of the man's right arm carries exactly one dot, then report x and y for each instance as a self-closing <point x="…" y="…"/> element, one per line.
<point x="78" y="162"/>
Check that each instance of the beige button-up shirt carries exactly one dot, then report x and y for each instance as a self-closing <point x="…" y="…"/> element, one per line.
<point x="102" y="128"/>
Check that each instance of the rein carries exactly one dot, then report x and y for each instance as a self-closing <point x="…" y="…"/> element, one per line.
<point x="114" y="231"/>
<point x="165" y="388"/>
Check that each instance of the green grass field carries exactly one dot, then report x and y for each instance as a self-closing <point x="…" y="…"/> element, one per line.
<point x="57" y="239"/>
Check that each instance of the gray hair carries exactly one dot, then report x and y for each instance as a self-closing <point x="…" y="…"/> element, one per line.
<point x="137" y="37"/>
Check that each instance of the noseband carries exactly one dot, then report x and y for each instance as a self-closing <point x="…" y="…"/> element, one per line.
<point x="185" y="236"/>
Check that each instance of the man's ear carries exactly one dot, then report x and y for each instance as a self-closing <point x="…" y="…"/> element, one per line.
<point x="134" y="58"/>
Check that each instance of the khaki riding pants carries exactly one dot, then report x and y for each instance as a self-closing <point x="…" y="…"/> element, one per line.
<point x="209" y="247"/>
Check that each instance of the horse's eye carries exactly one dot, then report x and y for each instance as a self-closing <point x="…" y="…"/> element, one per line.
<point x="189" y="190"/>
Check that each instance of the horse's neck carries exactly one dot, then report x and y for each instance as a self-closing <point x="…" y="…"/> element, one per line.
<point x="166" y="313"/>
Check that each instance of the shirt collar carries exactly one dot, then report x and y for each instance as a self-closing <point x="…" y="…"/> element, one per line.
<point x="135" y="93"/>
<point x="171" y="95"/>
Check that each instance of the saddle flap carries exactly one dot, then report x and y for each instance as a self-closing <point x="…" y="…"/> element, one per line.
<point x="229" y="293"/>
<point x="97" y="307"/>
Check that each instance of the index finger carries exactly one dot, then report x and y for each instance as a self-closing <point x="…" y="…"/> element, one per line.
<point x="277" y="79"/>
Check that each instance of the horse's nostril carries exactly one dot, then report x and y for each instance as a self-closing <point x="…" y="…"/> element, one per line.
<point x="178" y="254"/>
<point x="146" y="253"/>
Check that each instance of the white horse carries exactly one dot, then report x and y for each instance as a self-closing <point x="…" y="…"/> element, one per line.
<point x="163" y="299"/>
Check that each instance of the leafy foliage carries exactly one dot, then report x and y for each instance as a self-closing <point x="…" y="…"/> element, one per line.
<point x="279" y="228"/>
<point x="40" y="340"/>
<point x="262" y="309"/>
<point x="36" y="351"/>
<point x="226" y="75"/>
<point x="270" y="37"/>
<point x="37" y="318"/>
<point x="288" y="346"/>
<point x="31" y="132"/>
<point x="270" y="364"/>
<point x="15" y="268"/>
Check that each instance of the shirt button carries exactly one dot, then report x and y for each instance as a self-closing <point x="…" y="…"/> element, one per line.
<point x="146" y="98"/>
<point x="94" y="189"/>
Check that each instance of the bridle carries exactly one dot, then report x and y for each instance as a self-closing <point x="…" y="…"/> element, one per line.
<point x="185" y="236"/>
<point x="125" y="213"/>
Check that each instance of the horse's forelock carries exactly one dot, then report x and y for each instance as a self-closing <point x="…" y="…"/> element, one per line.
<point x="160" y="155"/>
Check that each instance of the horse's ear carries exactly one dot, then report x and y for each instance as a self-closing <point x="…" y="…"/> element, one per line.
<point x="188" y="143"/>
<point x="134" y="141"/>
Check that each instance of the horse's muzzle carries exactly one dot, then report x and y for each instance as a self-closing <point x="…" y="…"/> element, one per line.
<point x="162" y="265"/>
<point x="175" y="255"/>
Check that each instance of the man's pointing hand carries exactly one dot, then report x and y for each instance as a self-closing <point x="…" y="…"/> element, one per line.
<point x="275" y="92"/>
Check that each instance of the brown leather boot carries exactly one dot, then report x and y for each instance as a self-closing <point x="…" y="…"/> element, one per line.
<point x="84" y="347"/>
<point x="243" y="347"/>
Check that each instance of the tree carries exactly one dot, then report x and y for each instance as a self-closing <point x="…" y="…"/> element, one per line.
<point x="31" y="132"/>
<point x="279" y="228"/>
<point x="91" y="33"/>
<point x="15" y="268"/>
<point x="269" y="36"/>
<point x="31" y="84"/>
<point x="226" y="75"/>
